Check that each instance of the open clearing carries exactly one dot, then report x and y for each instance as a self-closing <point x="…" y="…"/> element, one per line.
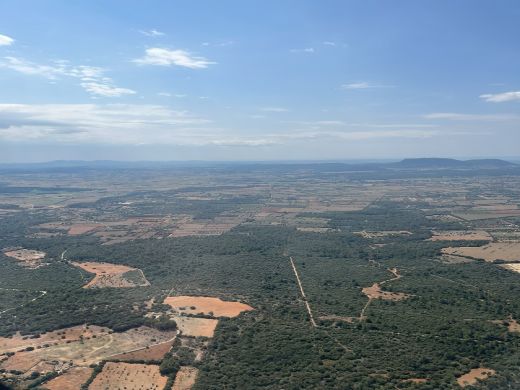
<point x="375" y="292"/>
<point x="193" y="326"/>
<point x="474" y="375"/>
<point x="76" y="230"/>
<point x="461" y="235"/>
<point x="27" y="257"/>
<point x="113" y="275"/>
<point x="508" y="251"/>
<point x="185" y="378"/>
<point x="72" y="379"/>
<point x="129" y="376"/>
<point x="89" y="347"/>
<point x="512" y="267"/>
<point x="155" y="352"/>
<point x="215" y="307"/>
<point x="18" y="342"/>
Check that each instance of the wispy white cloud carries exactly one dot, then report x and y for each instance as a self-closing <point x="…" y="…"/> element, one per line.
<point x="92" y="77"/>
<point x="274" y="109"/>
<point x="219" y="43"/>
<point x="454" y="116"/>
<point x="501" y="97"/>
<point x="153" y="124"/>
<point x="363" y="85"/>
<point x="164" y="94"/>
<point x="48" y="71"/>
<point x="5" y="40"/>
<point x="165" y="57"/>
<point x="93" y="123"/>
<point x="244" y="142"/>
<point x="364" y="135"/>
<point x="106" y="89"/>
<point x="309" y="50"/>
<point x="329" y="43"/>
<point x="152" y="33"/>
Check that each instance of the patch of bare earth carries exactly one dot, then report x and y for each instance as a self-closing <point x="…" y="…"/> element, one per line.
<point x="129" y="376"/>
<point x="512" y="325"/>
<point x="206" y="305"/>
<point x="27" y="257"/>
<point x="461" y="235"/>
<point x="155" y="352"/>
<point x="193" y="326"/>
<point x="82" y="228"/>
<point x="72" y="379"/>
<point x="512" y="267"/>
<point x="472" y="377"/>
<point x="113" y="275"/>
<point x="375" y="292"/>
<point x="185" y="378"/>
<point x="508" y="251"/>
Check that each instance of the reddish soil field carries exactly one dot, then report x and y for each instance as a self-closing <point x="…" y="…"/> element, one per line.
<point x="129" y="376"/>
<point x="70" y="380"/>
<point x="82" y="228"/>
<point x="207" y="305"/>
<point x="155" y="352"/>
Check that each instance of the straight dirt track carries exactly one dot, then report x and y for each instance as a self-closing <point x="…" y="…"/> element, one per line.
<point x="311" y="317"/>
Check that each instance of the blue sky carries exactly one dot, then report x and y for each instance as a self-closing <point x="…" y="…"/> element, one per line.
<point x="258" y="80"/>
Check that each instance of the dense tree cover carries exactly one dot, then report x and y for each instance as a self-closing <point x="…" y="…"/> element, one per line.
<point x="441" y="331"/>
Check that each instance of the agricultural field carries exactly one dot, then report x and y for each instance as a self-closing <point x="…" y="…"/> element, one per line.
<point x="260" y="276"/>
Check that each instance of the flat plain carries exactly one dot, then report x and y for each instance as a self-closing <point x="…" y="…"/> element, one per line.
<point x="260" y="276"/>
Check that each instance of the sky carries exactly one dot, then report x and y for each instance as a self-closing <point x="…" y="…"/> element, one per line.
<point x="258" y="80"/>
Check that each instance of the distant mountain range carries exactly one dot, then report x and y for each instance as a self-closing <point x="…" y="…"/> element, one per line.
<point x="450" y="163"/>
<point x="408" y="164"/>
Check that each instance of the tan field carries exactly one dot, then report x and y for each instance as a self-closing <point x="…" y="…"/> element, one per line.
<point x="207" y="305"/>
<point x="508" y="251"/>
<point x="192" y="326"/>
<point x="185" y="378"/>
<point x="475" y="214"/>
<point x="88" y="349"/>
<point x="375" y="292"/>
<point x="18" y="342"/>
<point x="129" y="376"/>
<point x="70" y="380"/>
<point x="461" y="235"/>
<point x="82" y="228"/>
<point x="155" y="352"/>
<point x="111" y="275"/>
<point x="475" y="374"/>
<point x="27" y="257"/>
